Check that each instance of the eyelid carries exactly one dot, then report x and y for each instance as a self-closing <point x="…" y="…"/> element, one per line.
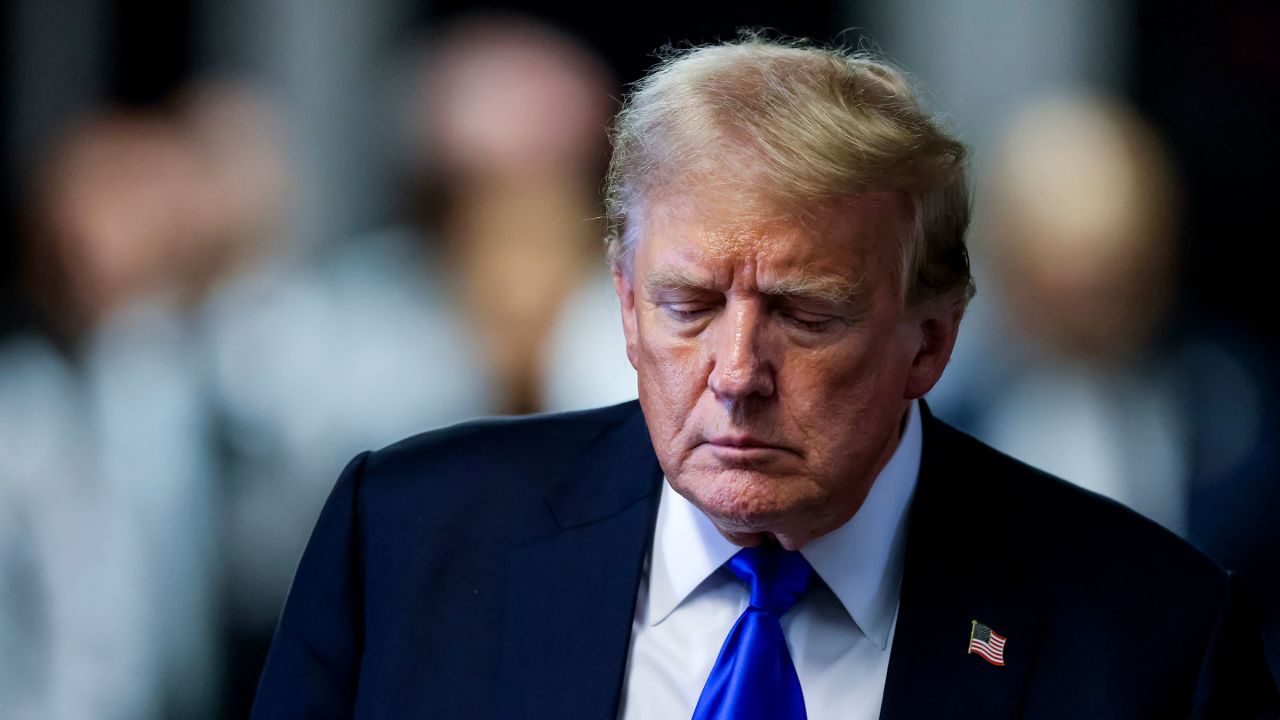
<point x="812" y="321"/>
<point x="693" y="310"/>
<point x="810" y="306"/>
<point x="806" y="324"/>
<point x="808" y="315"/>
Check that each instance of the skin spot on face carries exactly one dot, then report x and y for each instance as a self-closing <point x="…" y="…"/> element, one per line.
<point x="775" y="358"/>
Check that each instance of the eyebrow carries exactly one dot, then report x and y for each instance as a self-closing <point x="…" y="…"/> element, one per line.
<point x="832" y="289"/>
<point x="669" y="279"/>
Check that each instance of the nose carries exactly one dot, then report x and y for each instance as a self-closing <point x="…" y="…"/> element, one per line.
<point x="740" y="369"/>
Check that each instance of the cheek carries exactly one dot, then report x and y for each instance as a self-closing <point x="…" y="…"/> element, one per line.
<point x="672" y="374"/>
<point x="672" y="367"/>
<point x="826" y="394"/>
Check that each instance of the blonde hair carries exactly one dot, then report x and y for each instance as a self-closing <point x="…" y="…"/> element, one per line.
<point x="816" y="124"/>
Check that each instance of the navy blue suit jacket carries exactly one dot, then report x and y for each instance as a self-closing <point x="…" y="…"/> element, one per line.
<point x="490" y="570"/>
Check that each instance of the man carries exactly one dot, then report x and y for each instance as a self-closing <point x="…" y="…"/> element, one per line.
<point x="779" y="528"/>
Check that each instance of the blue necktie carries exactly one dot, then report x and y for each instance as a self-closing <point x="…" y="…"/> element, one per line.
<point x="754" y="678"/>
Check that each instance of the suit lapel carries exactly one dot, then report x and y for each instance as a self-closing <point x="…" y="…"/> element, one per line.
<point x="572" y="594"/>
<point x="960" y="566"/>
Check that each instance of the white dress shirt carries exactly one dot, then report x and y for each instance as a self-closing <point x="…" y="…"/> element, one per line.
<point x="839" y="634"/>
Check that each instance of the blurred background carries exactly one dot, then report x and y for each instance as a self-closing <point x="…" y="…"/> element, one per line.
<point x="243" y="241"/>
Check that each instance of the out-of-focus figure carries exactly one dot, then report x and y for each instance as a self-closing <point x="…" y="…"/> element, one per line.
<point x="1089" y="368"/>
<point x="513" y="116"/>
<point x="1083" y="245"/>
<point x="439" y="318"/>
<point x="310" y="359"/>
<point x="237" y="134"/>
<point x="104" y="464"/>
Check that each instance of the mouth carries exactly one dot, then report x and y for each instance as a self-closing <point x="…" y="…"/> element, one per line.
<point x="743" y="450"/>
<point x="741" y="442"/>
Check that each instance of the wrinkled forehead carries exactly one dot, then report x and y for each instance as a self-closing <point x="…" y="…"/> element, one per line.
<point x="714" y="221"/>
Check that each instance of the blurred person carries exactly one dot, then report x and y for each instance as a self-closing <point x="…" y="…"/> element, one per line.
<point x="1082" y="256"/>
<point x="310" y="356"/>
<point x="1092" y="371"/>
<point x="24" y="636"/>
<point x="778" y="527"/>
<point x="512" y="115"/>
<point x="236" y="132"/>
<point x="103" y="439"/>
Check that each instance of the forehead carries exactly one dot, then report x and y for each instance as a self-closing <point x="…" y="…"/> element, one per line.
<point x="854" y="237"/>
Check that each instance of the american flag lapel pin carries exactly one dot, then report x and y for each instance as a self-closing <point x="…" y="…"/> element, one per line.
<point x="985" y="643"/>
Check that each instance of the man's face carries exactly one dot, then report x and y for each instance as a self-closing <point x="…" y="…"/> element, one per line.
<point x="775" y="357"/>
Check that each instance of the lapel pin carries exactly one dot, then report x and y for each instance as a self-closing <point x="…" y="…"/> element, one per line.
<point x="985" y="643"/>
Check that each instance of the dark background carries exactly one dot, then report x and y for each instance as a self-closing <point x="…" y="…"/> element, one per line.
<point x="1207" y="79"/>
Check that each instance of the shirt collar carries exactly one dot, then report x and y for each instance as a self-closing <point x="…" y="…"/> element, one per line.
<point x="861" y="561"/>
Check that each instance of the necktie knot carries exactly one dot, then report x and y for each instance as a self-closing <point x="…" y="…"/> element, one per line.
<point x="754" y="677"/>
<point x="777" y="577"/>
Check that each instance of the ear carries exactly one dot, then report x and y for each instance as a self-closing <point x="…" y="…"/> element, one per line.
<point x="625" y="290"/>
<point x="938" y="322"/>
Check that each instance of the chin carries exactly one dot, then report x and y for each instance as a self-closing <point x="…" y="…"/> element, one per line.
<point x="742" y="500"/>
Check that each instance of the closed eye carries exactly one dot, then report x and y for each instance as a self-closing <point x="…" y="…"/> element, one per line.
<point x="807" y="321"/>
<point x="686" y="312"/>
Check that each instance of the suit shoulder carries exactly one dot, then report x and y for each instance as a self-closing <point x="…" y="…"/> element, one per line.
<point x="499" y="446"/>
<point x="1113" y="607"/>
<point x="1071" y="528"/>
